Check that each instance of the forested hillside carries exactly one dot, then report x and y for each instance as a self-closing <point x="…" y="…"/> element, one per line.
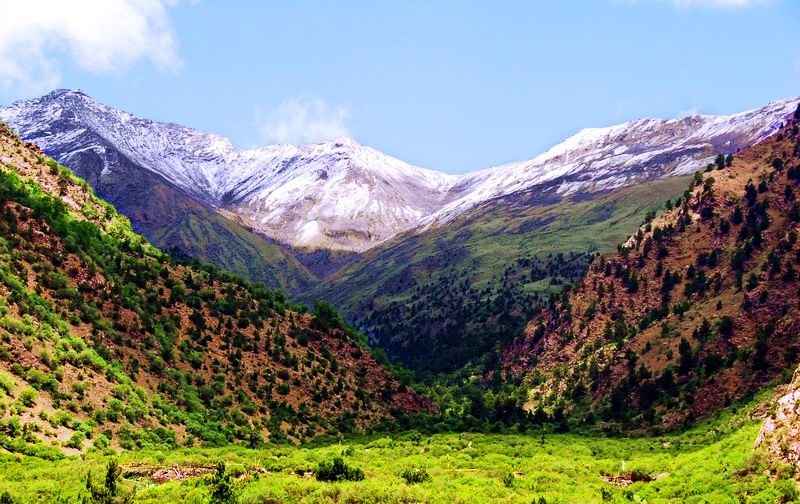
<point x="453" y="294"/>
<point x="105" y="340"/>
<point x="698" y="309"/>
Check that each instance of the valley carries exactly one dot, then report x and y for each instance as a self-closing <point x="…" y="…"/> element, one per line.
<point x="344" y="223"/>
<point x="535" y="363"/>
<point x="399" y="252"/>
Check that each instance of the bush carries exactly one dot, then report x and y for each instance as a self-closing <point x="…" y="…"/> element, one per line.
<point x="337" y="470"/>
<point x="326" y="316"/>
<point x="55" y="280"/>
<point x="6" y="383"/>
<point x="414" y="475"/>
<point x="101" y="442"/>
<point x="28" y="396"/>
<point x="787" y="490"/>
<point x="76" y="441"/>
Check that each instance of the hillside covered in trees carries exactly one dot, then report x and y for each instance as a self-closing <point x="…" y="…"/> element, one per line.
<point x="696" y="310"/>
<point x="105" y="340"/>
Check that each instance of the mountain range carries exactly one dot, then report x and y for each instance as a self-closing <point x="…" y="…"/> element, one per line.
<point x="516" y="314"/>
<point x="341" y="195"/>
<point x="427" y="263"/>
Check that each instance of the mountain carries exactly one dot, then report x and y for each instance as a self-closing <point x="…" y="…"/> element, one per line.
<point x="451" y="294"/>
<point x="428" y="264"/>
<point x="599" y="159"/>
<point x="457" y="287"/>
<point x="344" y="196"/>
<point x="695" y="311"/>
<point x="337" y="195"/>
<point x="100" y="151"/>
<point x="106" y="340"/>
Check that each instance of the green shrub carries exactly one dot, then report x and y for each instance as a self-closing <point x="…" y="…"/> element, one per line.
<point x="6" y="383"/>
<point x="337" y="470"/>
<point x="76" y="441"/>
<point x="55" y="280"/>
<point x="110" y="492"/>
<point x="414" y="475"/>
<point x="101" y="442"/>
<point x="28" y="396"/>
<point x="326" y="316"/>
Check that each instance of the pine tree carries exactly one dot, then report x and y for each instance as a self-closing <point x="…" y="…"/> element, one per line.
<point x="222" y="489"/>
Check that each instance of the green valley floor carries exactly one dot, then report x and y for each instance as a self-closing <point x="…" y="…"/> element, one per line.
<point x="712" y="462"/>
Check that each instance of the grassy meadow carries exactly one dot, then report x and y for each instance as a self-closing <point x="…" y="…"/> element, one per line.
<point x="712" y="462"/>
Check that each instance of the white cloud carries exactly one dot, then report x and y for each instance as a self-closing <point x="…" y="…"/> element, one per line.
<point x="691" y="111"/>
<point x="303" y="120"/>
<point x="105" y="36"/>
<point x="709" y="4"/>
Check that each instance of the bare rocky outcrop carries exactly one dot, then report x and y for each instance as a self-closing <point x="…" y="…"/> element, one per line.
<point x="780" y="434"/>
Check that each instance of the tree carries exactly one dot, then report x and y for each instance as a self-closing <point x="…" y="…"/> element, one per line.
<point x="750" y="193"/>
<point x="326" y="316"/>
<point x="725" y="326"/>
<point x="703" y="332"/>
<point x="738" y="215"/>
<point x="221" y="486"/>
<point x="686" y="358"/>
<point x="110" y="492"/>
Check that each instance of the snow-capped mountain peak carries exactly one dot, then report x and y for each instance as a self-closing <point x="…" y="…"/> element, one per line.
<point x="344" y="195"/>
<point x="597" y="159"/>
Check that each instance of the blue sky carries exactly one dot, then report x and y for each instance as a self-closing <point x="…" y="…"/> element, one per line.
<point x="449" y="85"/>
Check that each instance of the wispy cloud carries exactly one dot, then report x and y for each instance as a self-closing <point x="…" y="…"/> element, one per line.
<point x="303" y="120"/>
<point x="708" y="4"/>
<point x="108" y="36"/>
<point x="689" y="112"/>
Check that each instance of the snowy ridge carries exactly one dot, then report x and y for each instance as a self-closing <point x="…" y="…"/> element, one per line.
<point x="605" y="158"/>
<point x="343" y="195"/>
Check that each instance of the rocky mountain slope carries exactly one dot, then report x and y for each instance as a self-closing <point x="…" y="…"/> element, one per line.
<point x="106" y="340"/>
<point x="342" y="195"/>
<point x="695" y="311"/>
